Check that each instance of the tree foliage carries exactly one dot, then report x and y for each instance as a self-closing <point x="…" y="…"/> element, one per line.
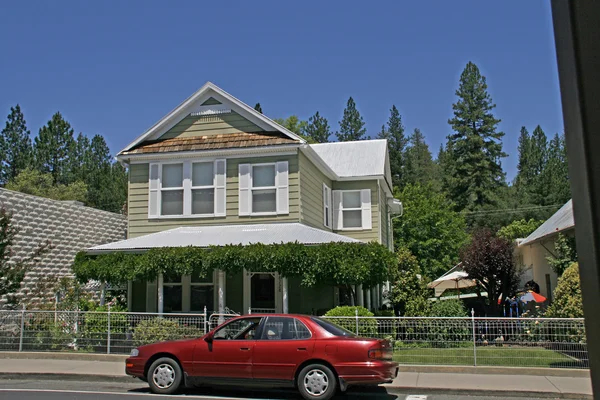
<point x="258" y="108"/>
<point x="317" y="129"/>
<point x="335" y="264"/>
<point x="352" y="125"/>
<point x="34" y="182"/>
<point x="394" y="134"/>
<point x="53" y="146"/>
<point x="474" y="174"/>
<point x="15" y="146"/>
<point x="519" y="229"/>
<point x="489" y="260"/>
<point x="567" y="301"/>
<point x="565" y="254"/>
<point x="408" y="293"/>
<point x="419" y="165"/>
<point x="448" y="308"/>
<point x="432" y="231"/>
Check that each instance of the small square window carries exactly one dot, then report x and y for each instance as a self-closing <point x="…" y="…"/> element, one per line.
<point x="172" y="202"/>
<point x="352" y="218"/>
<point x="264" y="200"/>
<point x="263" y="176"/>
<point x="351" y="199"/>
<point x="203" y="201"/>
<point x="202" y="174"/>
<point x="172" y="175"/>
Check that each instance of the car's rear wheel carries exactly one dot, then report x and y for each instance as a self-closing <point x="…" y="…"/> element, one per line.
<point x="164" y="376"/>
<point x="317" y="381"/>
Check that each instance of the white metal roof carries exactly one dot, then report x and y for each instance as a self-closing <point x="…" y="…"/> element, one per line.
<point x="351" y="159"/>
<point x="560" y="221"/>
<point x="205" y="236"/>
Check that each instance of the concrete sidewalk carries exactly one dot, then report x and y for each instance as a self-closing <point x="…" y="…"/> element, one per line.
<point x="424" y="381"/>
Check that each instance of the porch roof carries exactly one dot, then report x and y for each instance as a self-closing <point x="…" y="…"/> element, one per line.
<point x="221" y="235"/>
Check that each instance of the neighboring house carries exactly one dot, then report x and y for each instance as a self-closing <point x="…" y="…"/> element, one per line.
<point x="68" y="226"/>
<point x="533" y="251"/>
<point x="214" y="171"/>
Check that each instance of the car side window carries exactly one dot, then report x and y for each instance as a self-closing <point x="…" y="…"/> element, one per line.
<point x="285" y="328"/>
<point x="239" y="329"/>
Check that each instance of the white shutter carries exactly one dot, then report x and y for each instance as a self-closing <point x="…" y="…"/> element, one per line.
<point x="187" y="188"/>
<point x="365" y="199"/>
<point x="244" y="189"/>
<point x="337" y="210"/>
<point x="281" y="181"/>
<point x="220" y="188"/>
<point x="154" y="194"/>
<point x="330" y="208"/>
<point x="325" y="208"/>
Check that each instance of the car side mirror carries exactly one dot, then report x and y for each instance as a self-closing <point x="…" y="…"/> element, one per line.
<point x="209" y="337"/>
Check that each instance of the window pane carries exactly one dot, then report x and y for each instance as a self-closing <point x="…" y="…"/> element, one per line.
<point x="202" y="174"/>
<point x="264" y="200"/>
<point x="172" y="202"/>
<point x="240" y="329"/>
<point x="203" y="201"/>
<point x="351" y="200"/>
<point x="172" y="175"/>
<point x="352" y="219"/>
<point x="263" y="175"/>
<point x="284" y="328"/>
<point x="326" y="217"/>
<point x="201" y="296"/>
<point x="172" y="298"/>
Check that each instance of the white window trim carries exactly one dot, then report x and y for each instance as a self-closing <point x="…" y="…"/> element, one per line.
<point x="187" y="188"/>
<point x="251" y="188"/>
<point x="327" y="210"/>
<point x="342" y="209"/>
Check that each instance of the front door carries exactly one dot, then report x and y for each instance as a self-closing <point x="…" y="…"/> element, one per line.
<point x="229" y="355"/>
<point x="262" y="292"/>
<point x="285" y="343"/>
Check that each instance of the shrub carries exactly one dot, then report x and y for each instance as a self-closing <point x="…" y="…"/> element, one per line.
<point x="366" y="326"/>
<point x="567" y="301"/>
<point x="448" y="308"/>
<point x="162" y="329"/>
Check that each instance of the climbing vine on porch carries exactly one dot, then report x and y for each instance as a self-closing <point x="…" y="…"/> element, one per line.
<point x="332" y="263"/>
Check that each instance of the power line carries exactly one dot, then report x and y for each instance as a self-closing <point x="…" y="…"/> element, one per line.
<point x="511" y="210"/>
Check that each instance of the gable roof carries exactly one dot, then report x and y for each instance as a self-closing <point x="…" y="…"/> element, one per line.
<point x="561" y="220"/>
<point x="361" y="158"/>
<point x="212" y="142"/>
<point x="191" y="105"/>
<point x="222" y="235"/>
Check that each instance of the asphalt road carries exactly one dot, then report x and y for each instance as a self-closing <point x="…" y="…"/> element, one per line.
<point x="76" y="390"/>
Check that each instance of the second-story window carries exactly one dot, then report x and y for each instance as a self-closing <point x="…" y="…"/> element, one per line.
<point x="352" y="209"/>
<point x="203" y="188"/>
<point x="171" y="191"/>
<point x="264" y="191"/>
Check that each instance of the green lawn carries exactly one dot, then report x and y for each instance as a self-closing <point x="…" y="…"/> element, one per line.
<point x="486" y="356"/>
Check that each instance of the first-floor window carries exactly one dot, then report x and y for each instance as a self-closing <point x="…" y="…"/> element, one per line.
<point x="172" y="294"/>
<point x="202" y="293"/>
<point x="188" y="293"/>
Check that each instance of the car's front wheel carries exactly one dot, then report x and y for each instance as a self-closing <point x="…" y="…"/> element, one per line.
<point x="164" y="376"/>
<point x="316" y="381"/>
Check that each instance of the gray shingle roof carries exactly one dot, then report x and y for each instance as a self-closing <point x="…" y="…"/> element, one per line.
<point x="560" y="221"/>
<point x="204" y="236"/>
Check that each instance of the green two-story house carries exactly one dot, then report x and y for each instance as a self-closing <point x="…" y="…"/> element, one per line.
<point x="214" y="172"/>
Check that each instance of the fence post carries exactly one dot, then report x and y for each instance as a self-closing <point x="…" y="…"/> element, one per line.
<point x="205" y="320"/>
<point x="474" y="340"/>
<point x="356" y="314"/>
<point x="249" y="310"/>
<point x="108" y="338"/>
<point x="22" y="328"/>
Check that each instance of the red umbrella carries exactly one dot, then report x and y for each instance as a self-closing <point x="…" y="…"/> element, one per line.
<point x="532" y="296"/>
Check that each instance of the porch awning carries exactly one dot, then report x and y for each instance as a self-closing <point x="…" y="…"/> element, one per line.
<point x="221" y="235"/>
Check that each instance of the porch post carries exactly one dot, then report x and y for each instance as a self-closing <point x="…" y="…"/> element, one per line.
<point x="375" y="297"/>
<point x="284" y="292"/>
<point x="159" y="292"/>
<point x="368" y="298"/>
<point x="360" y="296"/>
<point x="355" y="290"/>
<point x="221" y="289"/>
<point x="102" y="293"/>
<point x="129" y="295"/>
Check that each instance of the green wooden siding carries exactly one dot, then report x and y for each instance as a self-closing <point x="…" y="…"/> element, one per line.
<point x="211" y="125"/>
<point x="139" y="224"/>
<point x="311" y="193"/>
<point x="368" y="234"/>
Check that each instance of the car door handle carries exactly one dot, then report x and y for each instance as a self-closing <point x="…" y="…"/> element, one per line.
<point x="301" y="348"/>
<point x="245" y="348"/>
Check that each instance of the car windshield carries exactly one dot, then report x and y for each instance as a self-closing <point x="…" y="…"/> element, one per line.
<point x="332" y="328"/>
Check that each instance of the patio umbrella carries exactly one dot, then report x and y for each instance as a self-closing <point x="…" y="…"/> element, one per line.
<point x="532" y="296"/>
<point x="454" y="280"/>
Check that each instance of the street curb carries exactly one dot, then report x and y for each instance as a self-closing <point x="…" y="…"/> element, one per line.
<point x="451" y="369"/>
<point x="62" y="356"/>
<point x="66" y="377"/>
<point x="489" y="393"/>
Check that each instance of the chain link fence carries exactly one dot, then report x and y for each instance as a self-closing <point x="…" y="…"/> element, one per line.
<point x="517" y="342"/>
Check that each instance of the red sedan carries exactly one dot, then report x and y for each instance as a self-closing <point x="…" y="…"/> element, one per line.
<point x="309" y="353"/>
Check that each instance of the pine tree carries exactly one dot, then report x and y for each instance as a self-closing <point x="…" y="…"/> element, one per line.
<point x="420" y="168"/>
<point x="258" y="108"/>
<point x="396" y="145"/>
<point x="523" y="167"/>
<point x="15" y="146"/>
<point x="53" y="145"/>
<point x="79" y="154"/>
<point x="555" y="175"/>
<point x="475" y="147"/>
<point x="352" y="126"/>
<point x="98" y="172"/>
<point x="317" y="129"/>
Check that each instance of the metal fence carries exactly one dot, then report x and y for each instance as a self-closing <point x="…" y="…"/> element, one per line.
<point x="518" y="342"/>
<point x="510" y="342"/>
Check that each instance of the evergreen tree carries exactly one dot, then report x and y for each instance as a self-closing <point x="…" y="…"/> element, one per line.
<point x="292" y="123"/>
<point x="53" y="145"/>
<point x="79" y="154"/>
<point x="352" y="126"/>
<point x="420" y="167"/>
<point x="317" y="129"/>
<point x="258" y="108"/>
<point x="555" y="175"/>
<point x="396" y="145"/>
<point x="475" y="147"/>
<point x="524" y="170"/>
<point x="15" y="145"/>
<point x="98" y="172"/>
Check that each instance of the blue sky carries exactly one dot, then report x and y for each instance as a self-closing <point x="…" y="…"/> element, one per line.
<point x="116" y="67"/>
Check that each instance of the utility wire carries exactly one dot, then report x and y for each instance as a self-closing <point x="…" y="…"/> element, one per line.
<point x="510" y="210"/>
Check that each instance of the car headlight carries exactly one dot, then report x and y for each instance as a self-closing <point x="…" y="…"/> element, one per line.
<point x="135" y="353"/>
